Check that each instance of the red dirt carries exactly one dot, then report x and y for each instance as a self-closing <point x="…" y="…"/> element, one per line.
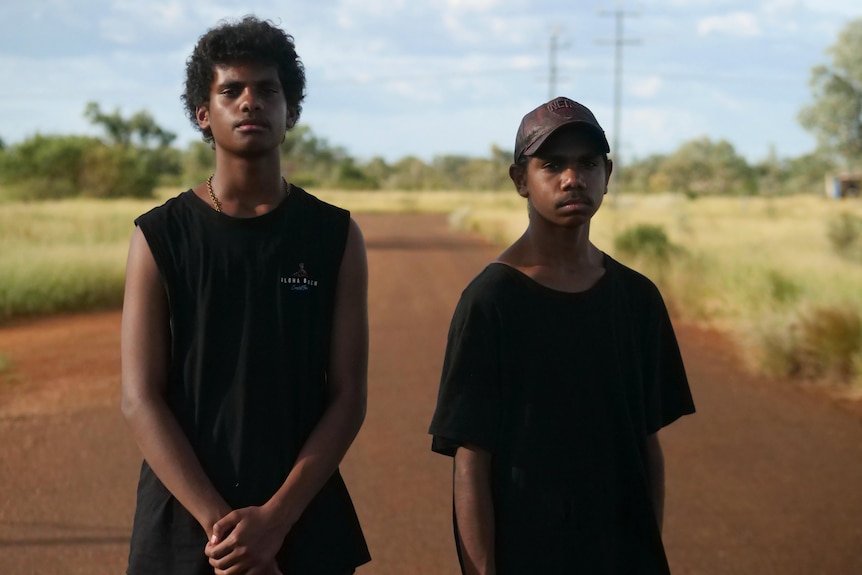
<point x="763" y="479"/>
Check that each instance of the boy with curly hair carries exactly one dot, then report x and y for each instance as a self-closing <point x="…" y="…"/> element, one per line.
<point x="561" y="368"/>
<point x="245" y="339"/>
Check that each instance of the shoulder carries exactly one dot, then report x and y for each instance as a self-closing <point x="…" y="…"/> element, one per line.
<point x="635" y="284"/>
<point x="490" y="283"/>
<point x="488" y="291"/>
<point x="163" y="224"/>
<point x="171" y="209"/>
<point x="179" y="202"/>
<point x="319" y="207"/>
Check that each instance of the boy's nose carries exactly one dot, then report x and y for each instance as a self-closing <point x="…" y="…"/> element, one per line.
<point x="570" y="177"/>
<point x="250" y="102"/>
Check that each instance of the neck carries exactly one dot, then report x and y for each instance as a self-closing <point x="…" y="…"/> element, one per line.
<point x="559" y="258"/>
<point x="248" y="181"/>
<point x="561" y="248"/>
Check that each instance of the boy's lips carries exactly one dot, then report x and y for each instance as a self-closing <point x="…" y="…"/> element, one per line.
<point x="578" y="201"/>
<point x="252" y="124"/>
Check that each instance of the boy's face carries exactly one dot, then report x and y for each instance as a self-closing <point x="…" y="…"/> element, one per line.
<point x="566" y="179"/>
<point x="247" y="112"/>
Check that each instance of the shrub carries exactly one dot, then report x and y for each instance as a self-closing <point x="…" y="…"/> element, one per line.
<point x="646" y="241"/>
<point x="782" y="289"/>
<point x="778" y="352"/>
<point x="829" y="340"/>
<point x="845" y="235"/>
<point x="44" y="167"/>
<point x="824" y="343"/>
<point x="117" y="171"/>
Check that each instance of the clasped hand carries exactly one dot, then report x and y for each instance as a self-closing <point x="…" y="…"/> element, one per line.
<point x="245" y="542"/>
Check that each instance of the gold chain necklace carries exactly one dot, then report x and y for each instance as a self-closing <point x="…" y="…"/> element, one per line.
<point x="217" y="203"/>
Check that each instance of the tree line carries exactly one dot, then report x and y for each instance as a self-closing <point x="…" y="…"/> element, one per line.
<point x="134" y="155"/>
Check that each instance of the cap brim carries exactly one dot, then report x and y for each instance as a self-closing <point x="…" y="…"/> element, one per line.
<point x="598" y="132"/>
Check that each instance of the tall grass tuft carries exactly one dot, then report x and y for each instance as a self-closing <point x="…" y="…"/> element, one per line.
<point x="845" y="234"/>
<point x="776" y="352"/>
<point x="5" y="364"/>
<point x="782" y="288"/>
<point x="648" y="241"/>
<point x="822" y="343"/>
<point x="830" y="338"/>
<point x="649" y="246"/>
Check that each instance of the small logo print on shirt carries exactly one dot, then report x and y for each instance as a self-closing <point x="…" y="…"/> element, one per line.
<point x="300" y="280"/>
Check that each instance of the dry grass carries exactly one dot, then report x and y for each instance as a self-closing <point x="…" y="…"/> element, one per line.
<point x="752" y="267"/>
<point x="755" y="267"/>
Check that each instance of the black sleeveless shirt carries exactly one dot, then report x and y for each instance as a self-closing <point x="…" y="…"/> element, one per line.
<point x="251" y="304"/>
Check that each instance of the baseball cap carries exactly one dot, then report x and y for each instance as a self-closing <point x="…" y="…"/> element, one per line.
<point x="548" y="118"/>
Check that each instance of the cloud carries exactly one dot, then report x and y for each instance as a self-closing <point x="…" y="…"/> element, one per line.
<point x="473" y="5"/>
<point x="728" y="102"/>
<point x="352" y="14"/>
<point x="525" y="62"/>
<point x="845" y="8"/>
<point x="646" y="87"/>
<point x="128" y="23"/>
<point x="479" y="21"/>
<point x="780" y="6"/>
<point x="733" y="24"/>
<point x="655" y="129"/>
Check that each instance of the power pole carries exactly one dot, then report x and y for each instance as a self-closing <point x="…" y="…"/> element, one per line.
<point x="619" y="41"/>
<point x="553" y="71"/>
<point x="552" y="64"/>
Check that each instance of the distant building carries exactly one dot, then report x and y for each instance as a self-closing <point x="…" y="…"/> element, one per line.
<point x="839" y="186"/>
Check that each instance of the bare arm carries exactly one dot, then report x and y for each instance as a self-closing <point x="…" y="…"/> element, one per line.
<point x="257" y="533"/>
<point x="474" y="510"/>
<point x="145" y="352"/>
<point x="655" y="468"/>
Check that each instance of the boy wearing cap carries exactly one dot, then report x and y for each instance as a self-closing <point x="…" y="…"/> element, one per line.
<point x="561" y="368"/>
<point x="245" y="339"/>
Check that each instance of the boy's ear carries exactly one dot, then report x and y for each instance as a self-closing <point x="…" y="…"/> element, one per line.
<point x="518" y="174"/>
<point x="202" y="115"/>
<point x="291" y="117"/>
<point x="609" y="167"/>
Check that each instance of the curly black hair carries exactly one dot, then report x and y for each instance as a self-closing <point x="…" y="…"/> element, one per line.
<point x="249" y="40"/>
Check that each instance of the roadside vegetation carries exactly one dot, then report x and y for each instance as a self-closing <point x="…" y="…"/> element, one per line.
<point x="764" y="270"/>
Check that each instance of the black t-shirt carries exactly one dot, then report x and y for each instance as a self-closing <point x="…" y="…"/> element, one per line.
<point x="563" y="390"/>
<point x="251" y="303"/>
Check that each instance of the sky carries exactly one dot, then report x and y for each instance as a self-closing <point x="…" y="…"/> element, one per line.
<point x="394" y="78"/>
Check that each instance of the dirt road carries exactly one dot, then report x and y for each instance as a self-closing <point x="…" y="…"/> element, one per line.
<point x="762" y="480"/>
